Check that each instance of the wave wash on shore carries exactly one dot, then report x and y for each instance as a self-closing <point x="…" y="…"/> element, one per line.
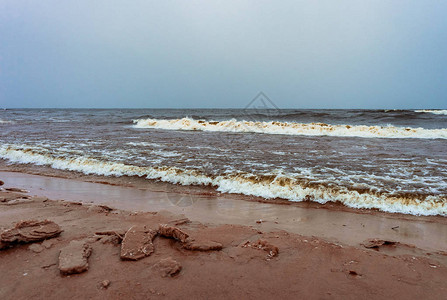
<point x="268" y="186"/>
<point x="290" y="128"/>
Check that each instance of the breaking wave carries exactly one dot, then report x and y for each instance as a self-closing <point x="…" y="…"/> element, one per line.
<point x="269" y="186"/>
<point x="6" y="122"/>
<point x="290" y="128"/>
<point x="434" y="111"/>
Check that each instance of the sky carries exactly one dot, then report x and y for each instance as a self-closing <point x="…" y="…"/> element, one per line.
<point x="221" y="54"/>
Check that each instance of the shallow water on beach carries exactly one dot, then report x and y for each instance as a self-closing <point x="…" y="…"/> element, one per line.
<point x="392" y="160"/>
<point x="335" y="225"/>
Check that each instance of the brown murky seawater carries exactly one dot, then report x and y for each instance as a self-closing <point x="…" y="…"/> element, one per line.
<point x="395" y="161"/>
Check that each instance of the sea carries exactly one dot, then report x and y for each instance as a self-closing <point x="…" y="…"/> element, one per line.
<point x="391" y="160"/>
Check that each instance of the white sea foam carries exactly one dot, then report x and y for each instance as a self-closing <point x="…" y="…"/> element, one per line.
<point x="165" y="153"/>
<point x="57" y="120"/>
<point x="310" y="129"/>
<point x="267" y="186"/>
<point x="6" y="122"/>
<point x="433" y="111"/>
<point x="144" y="144"/>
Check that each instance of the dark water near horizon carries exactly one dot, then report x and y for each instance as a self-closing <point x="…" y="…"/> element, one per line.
<point x="393" y="160"/>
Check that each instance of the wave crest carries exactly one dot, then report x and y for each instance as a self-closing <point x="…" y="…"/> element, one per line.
<point x="433" y="111"/>
<point x="289" y="128"/>
<point x="269" y="186"/>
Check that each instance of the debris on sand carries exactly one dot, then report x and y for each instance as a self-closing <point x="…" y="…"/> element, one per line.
<point x="180" y="221"/>
<point x="111" y="237"/>
<point x="137" y="243"/>
<point x="376" y="243"/>
<point x="20" y="200"/>
<point x="36" y="248"/>
<point x="28" y="232"/>
<point x="105" y="208"/>
<point x="16" y="190"/>
<point x="11" y="197"/>
<point x="99" y="209"/>
<point x="118" y="233"/>
<point x="73" y="259"/>
<point x="271" y="249"/>
<point x="105" y="284"/>
<point x="172" y="232"/>
<point x="199" y="245"/>
<point x="168" y="267"/>
<point x="47" y="244"/>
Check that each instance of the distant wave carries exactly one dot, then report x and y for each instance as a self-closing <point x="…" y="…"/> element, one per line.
<point x="436" y="112"/>
<point x="269" y="186"/>
<point x="6" y="122"/>
<point x="289" y="128"/>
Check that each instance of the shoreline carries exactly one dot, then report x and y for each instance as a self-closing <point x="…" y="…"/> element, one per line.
<point x="332" y="222"/>
<point x="156" y="185"/>
<point x="264" y="188"/>
<point x="306" y="265"/>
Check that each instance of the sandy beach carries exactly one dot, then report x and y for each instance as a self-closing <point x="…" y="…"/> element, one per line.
<point x="262" y="253"/>
<point x="223" y="150"/>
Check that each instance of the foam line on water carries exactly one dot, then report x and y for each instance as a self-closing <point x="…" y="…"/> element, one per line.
<point x="433" y="111"/>
<point x="290" y="128"/>
<point x="268" y="186"/>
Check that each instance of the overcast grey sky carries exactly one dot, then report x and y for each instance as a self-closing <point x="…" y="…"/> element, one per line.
<point x="185" y="54"/>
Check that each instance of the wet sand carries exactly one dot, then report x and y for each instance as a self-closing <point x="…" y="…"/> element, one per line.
<point x="320" y="252"/>
<point x="334" y="225"/>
